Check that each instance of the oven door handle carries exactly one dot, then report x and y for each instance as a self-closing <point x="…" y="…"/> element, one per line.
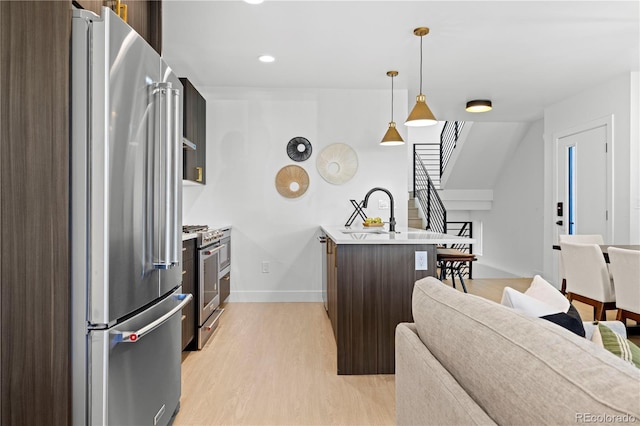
<point x="134" y="336"/>
<point x="207" y="252"/>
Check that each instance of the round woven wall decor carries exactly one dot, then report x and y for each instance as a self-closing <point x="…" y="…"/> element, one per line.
<point x="292" y="181"/>
<point x="337" y="163"/>
<point x="299" y="148"/>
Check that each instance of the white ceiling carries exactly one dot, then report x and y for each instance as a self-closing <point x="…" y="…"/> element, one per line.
<point x="523" y="55"/>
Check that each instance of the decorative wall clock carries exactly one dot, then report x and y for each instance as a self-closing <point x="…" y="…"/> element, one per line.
<point x="299" y="149"/>
<point x="337" y="163"/>
<point x="292" y="181"/>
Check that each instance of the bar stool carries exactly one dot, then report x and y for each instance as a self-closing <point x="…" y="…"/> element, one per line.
<point x="454" y="259"/>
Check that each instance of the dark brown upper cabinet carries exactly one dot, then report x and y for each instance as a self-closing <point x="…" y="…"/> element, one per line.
<point x="194" y="130"/>
<point x="144" y="16"/>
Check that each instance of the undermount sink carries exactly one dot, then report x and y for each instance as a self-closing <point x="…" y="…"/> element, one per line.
<point x="364" y="231"/>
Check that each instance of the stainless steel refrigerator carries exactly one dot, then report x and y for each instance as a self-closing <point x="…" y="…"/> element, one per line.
<point x="126" y="202"/>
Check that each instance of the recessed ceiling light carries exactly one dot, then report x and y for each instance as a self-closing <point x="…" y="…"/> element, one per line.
<point x="253" y="1"/>
<point x="479" y="105"/>
<point x="266" y="58"/>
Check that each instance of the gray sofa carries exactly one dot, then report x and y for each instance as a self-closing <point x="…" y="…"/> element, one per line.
<point x="467" y="360"/>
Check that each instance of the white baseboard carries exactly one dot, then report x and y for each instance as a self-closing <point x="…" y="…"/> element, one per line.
<point x="485" y="271"/>
<point x="275" y="296"/>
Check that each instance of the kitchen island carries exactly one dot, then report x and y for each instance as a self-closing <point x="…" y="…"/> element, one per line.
<point x="370" y="273"/>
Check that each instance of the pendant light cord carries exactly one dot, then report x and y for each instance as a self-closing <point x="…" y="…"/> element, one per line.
<point x="421" y="37"/>
<point x="392" y="98"/>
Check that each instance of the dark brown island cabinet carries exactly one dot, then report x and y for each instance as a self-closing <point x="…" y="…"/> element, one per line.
<point x="189" y="286"/>
<point x="194" y="131"/>
<point x="369" y="289"/>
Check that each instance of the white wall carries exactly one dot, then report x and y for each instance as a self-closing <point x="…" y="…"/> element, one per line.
<point x="511" y="232"/>
<point x="618" y="99"/>
<point x="247" y="134"/>
<point x="481" y="153"/>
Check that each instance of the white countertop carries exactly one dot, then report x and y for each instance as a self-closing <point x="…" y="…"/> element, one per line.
<point x="191" y="236"/>
<point x="362" y="235"/>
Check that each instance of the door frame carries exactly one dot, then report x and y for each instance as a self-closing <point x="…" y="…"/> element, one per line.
<point x="607" y="122"/>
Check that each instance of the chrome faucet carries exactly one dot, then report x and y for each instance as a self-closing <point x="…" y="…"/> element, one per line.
<point x="392" y="219"/>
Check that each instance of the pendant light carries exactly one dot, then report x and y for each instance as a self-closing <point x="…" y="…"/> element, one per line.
<point x="392" y="137"/>
<point x="421" y="115"/>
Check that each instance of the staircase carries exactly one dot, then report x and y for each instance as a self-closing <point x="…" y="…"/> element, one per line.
<point x="435" y="156"/>
<point x="415" y="221"/>
<point x="429" y="201"/>
<point x="429" y="153"/>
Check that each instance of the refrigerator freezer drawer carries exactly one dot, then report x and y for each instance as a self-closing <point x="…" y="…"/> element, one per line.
<point x="136" y="380"/>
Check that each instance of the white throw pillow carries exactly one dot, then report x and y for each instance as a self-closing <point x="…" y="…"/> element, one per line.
<point x="541" y="290"/>
<point x="527" y="304"/>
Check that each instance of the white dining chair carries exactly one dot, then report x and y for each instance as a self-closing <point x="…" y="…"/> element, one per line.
<point x="588" y="279"/>
<point x="625" y="268"/>
<point x="575" y="238"/>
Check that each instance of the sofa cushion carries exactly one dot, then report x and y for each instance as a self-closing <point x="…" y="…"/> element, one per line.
<point x="617" y="326"/>
<point x="520" y="369"/>
<point x="543" y="300"/>
<point x="526" y="304"/>
<point x="616" y="344"/>
<point x="418" y="375"/>
<point x="571" y="320"/>
<point x="543" y="291"/>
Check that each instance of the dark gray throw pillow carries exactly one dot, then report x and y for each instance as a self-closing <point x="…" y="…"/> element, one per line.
<point x="571" y="320"/>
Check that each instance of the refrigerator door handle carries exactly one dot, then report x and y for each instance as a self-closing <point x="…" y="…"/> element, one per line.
<point x="176" y="144"/>
<point x="134" y="336"/>
<point x="163" y="176"/>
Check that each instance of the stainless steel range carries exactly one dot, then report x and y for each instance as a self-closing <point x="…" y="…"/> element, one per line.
<point x="211" y="245"/>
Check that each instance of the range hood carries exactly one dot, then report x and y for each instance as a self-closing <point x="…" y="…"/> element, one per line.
<point x="187" y="144"/>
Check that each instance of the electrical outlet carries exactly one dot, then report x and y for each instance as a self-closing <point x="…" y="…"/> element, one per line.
<point x="383" y="204"/>
<point x="265" y="267"/>
<point x="421" y="261"/>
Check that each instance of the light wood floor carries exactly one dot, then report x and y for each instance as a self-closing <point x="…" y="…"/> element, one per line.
<point x="275" y="364"/>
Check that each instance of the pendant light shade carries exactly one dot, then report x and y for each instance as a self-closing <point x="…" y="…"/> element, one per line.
<point x="392" y="137"/>
<point x="421" y="114"/>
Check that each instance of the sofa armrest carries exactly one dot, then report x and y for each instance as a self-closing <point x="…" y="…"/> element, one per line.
<point x="617" y="326"/>
<point x="425" y="391"/>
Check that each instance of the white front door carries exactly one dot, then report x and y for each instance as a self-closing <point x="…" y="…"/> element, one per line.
<point x="582" y="183"/>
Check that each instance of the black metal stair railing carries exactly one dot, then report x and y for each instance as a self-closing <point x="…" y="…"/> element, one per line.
<point x="427" y="195"/>
<point x="430" y="155"/>
<point x="448" y="140"/>
<point x="462" y="229"/>
<point x="426" y="192"/>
